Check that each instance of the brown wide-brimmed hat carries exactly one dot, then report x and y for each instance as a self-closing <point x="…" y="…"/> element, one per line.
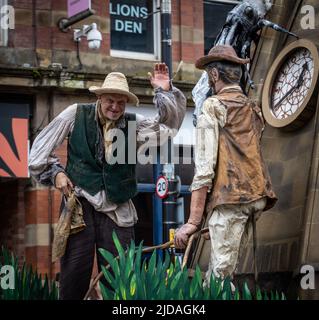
<point x="115" y="82"/>
<point x="220" y="53"/>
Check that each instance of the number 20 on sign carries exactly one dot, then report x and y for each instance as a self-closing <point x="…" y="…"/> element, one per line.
<point x="162" y="187"/>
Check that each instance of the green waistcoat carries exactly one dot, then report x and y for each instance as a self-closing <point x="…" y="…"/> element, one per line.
<point x="89" y="171"/>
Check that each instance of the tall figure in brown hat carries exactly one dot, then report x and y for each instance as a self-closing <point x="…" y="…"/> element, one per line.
<point x="104" y="182"/>
<point x="231" y="182"/>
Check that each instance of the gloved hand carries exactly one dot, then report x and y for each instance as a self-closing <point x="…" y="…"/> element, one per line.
<point x="182" y="234"/>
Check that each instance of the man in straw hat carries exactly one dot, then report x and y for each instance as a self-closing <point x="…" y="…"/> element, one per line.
<point x="231" y="182"/>
<point x="104" y="188"/>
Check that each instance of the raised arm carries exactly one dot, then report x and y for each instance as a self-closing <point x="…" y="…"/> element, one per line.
<point x="171" y="105"/>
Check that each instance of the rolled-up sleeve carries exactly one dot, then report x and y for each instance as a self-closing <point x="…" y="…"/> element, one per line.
<point x="171" y="106"/>
<point x="206" y="145"/>
<point x="44" y="165"/>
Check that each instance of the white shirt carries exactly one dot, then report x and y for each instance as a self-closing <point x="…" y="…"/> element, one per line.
<point x="171" y="111"/>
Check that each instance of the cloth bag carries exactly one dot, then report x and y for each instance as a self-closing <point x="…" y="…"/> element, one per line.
<point x="70" y="222"/>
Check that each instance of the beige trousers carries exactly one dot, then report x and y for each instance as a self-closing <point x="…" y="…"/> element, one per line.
<point x="229" y="229"/>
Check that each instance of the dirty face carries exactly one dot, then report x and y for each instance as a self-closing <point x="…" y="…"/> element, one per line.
<point x="113" y="105"/>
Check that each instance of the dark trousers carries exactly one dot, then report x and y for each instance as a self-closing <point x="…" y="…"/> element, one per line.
<point x="77" y="262"/>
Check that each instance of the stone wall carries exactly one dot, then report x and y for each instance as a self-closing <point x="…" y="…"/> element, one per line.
<point x="288" y="234"/>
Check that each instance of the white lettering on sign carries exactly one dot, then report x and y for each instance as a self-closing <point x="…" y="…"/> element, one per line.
<point x="128" y="11"/>
<point x="128" y="26"/>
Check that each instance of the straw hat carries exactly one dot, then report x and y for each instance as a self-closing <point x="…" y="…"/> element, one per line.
<point x="220" y="53"/>
<point x="115" y="82"/>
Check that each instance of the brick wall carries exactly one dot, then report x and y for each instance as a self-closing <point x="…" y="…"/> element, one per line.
<point x="27" y="220"/>
<point x="12" y="216"/>
<point x="56" y="46"/>
<point x="42" y="212"/>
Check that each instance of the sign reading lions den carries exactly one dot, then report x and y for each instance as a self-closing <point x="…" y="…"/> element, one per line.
<point x="130" y="31"/>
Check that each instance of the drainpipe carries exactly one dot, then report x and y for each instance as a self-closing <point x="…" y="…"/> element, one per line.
<point x="170" y="223"/>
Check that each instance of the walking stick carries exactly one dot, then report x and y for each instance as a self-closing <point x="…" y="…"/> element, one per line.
<point x="255" y="246"/>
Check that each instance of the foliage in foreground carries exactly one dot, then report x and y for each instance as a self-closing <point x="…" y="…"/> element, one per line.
<point x="28" y="284"/>
<point x="133" y="278"/>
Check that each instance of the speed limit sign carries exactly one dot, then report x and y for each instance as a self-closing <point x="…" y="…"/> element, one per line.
<point x="162" y="187"/>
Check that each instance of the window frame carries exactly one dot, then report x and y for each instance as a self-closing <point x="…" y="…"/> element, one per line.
<point x="221" y="2"/>
<point x="156" y="56"/>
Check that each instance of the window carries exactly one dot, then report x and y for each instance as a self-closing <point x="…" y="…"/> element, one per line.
<point x="3" y="31"/>
<point x="133" y="36"/>
<point x="215" y="13"/>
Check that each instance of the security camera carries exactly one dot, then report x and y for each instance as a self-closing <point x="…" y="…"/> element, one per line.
<point x="93" y="35"/>
<point x="94" y="44"/>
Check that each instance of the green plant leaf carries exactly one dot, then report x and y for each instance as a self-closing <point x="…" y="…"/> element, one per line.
<point x="227" y="292"/>
<point x="167" y="260"/>
<point x="123" y="291"/>
<point x="106" y="293"/>
<point x="108" y="256"/>
<point x="170" y="271"/>
<point x="109" y="278"/>
<point x="151" y="266"/>
<point x="162" y="291"/>
<point x="133" y="285"/>
<point x="129" y="265"/>
<point x="138" y="257"/>
<point x="176" y="280"/>
<point x="120" y="251"/>
<point x="246" y="292"/>
<point x="236" y="295"/>
<point x="193" y="288"/>
<point x="258" y="294"/>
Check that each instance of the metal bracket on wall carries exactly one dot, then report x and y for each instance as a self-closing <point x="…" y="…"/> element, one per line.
<point x="65" y="23"/>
